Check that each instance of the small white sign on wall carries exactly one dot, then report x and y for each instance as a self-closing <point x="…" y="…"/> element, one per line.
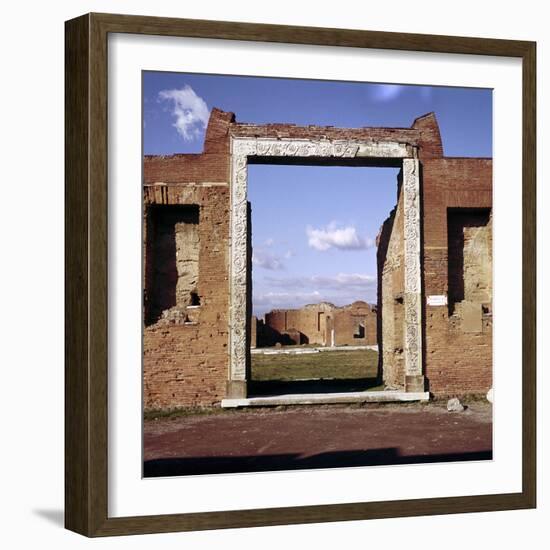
<point x="437" y="300"/>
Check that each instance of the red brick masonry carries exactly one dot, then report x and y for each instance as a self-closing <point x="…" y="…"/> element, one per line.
<point x="185" y="352"/>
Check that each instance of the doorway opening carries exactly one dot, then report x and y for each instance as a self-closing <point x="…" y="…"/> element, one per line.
<point x="313" y="284"/>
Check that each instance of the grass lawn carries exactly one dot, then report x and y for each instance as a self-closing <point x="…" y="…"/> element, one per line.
<point x="343" y="365"/>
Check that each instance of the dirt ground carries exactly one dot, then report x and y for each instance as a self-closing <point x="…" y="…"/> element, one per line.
<point x="315" y="437"/>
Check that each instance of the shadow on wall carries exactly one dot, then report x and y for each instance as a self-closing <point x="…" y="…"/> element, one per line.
<point x="469" y="253"/>
<point x="293" y="461"/>
<point x="268" y="336"/>
<point x="172" y="259"/>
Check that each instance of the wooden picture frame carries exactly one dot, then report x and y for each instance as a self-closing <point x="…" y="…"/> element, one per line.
<point x="86" y="230"/>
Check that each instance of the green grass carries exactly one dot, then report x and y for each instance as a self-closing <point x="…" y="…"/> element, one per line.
<point x="342" y="365"/>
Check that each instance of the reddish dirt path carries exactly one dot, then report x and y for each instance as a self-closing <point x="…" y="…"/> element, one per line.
<point x="314" y="437"/>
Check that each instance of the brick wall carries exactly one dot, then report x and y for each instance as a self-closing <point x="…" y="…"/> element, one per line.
<point x="311" y="321"/>
<point x="458" y="341"/>
<point x="186" y="364"/>
<point x="173" y="258"/>
<point x="391" y="284"/>
<point x="186" y="359"/>
<point x="355" y="325"/>
<point x="424" y="134"/>
<point x="457" y="360"/>
<point x="316" y="323"/>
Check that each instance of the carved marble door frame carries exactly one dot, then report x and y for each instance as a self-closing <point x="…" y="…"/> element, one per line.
<point x="244" y="148"/>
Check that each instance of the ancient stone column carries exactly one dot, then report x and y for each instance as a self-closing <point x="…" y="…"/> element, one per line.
<point x="414" y="379"/>
<point x="237" y="383"/>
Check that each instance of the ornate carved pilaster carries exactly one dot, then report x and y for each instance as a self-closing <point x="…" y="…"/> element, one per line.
<point x="241" y="150"/>
<point x="413" y="296"/>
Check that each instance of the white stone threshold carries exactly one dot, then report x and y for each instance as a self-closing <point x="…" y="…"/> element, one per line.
<point x="326" y="398"/>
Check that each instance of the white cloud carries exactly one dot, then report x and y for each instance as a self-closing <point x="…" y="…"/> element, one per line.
<point x="267" y="260"/>
<point x="348" y="282"/>
<point x="280" y="299"/>
<point x="295" y="292"/>
<point x="189" y="109"/>
<point x="426" y="92"/>
<point x="389" y="92"/>
<point x="341" y="238"/>
<point x="386" y="92"/>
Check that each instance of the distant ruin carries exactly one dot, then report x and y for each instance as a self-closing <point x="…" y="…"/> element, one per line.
<point x="434" y="310"/>
<point x="323" y="324"/>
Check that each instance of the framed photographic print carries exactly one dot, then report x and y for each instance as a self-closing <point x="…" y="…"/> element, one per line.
<point x="300" y="275"/>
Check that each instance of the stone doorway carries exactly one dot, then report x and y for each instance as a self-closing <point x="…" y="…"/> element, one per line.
<point x="247" y="150"/>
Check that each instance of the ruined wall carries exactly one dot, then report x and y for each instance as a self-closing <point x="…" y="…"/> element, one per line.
<point x="391" y="288"/>
<point x="458" y="340"/>
<point x="185" y="359"/>
<point x="354" y="324"/>
<point x="171" y="282"/>
<point x="470" y="256"/>
<point x="254" y="331"/>
<point x="186" y="299"/>
<point x="457" y="279"/>
<point x="424" y="134"/>
<point x="309" y="321"/>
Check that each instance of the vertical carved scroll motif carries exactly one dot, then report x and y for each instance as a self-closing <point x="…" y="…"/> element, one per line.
<point x="242" y="148"/>
<point x="413" y="304"/>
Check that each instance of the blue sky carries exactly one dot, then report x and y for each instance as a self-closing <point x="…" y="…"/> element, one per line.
<point x="313" y="228"/>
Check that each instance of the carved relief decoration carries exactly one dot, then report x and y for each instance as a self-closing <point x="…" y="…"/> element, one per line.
<point x="242" y="149"/>
<point x="413" y="304"/>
